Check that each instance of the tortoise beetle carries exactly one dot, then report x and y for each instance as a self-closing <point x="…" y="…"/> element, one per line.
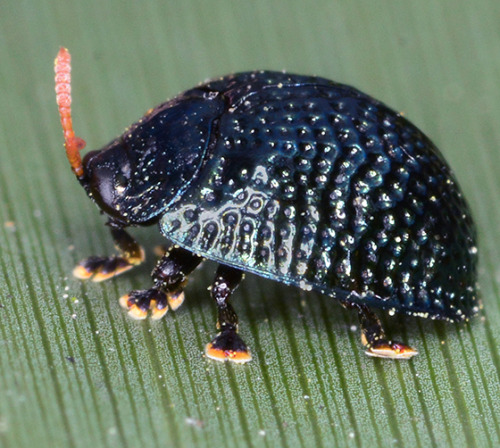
<point x="294" y="178"/>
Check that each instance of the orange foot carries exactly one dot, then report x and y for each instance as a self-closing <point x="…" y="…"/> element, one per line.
<point x="138" y="303"/>
<point x="228" y="346"/>
<point x="99" y="269"/>
<point x="391" y="350"/>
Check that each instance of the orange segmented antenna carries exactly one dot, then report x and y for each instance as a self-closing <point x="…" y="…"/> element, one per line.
<point x="73" y="144"/>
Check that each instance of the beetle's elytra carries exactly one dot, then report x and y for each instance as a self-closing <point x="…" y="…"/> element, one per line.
<point x="294" y="178"/>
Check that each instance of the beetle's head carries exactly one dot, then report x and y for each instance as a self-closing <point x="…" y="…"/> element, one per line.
<point x="135" y="177"/>
<point x="107" y="179"/>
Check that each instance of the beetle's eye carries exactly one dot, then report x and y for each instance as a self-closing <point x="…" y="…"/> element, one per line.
<point x="121" y="182"/>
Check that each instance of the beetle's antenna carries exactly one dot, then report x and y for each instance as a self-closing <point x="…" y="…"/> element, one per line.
<point x="73" y="144"/>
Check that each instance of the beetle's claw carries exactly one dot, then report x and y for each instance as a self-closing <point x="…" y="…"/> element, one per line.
<point x="391" y="350"/>
<point x="138" y="303"/>
<point x="228" y="346"/>
<point x="99" y="269"/>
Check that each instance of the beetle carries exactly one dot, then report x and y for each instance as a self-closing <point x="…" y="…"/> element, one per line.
<point x="295" y="178"/>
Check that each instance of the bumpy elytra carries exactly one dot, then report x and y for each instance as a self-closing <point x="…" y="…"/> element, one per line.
<point x="294" y="178"/>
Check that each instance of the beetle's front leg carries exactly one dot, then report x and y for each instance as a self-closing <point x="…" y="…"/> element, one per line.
<point x="170" y="278"/>
<point x="227" y="345"/>
<point x="102" y="268"/>
<point x="373" y="336"/>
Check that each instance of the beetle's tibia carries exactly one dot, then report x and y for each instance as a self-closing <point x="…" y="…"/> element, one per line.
<point x="128" y="247"/>
<point x="136" y="258"/>
<point x="228" y="346"/>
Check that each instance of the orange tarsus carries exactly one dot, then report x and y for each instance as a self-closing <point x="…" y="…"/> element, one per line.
<point x="72" y="143"/>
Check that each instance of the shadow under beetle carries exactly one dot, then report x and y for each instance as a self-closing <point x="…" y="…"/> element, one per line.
<point x="294" y="178"/>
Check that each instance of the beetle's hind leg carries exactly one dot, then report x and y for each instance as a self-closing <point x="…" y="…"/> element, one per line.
<point x="227" y="345"/>
<point x="374" y="338"/>
<point x="99" y="269"/>
<point x="170" y="278"/>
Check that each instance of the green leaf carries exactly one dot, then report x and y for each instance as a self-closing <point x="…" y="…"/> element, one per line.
<point x="75" y="371"/>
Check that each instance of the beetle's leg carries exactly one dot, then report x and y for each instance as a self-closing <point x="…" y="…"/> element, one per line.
<point x="161" y="250"/>
<point x="227" y="345"/>
<point x="103" y="268"/>
<point x="170" y="278"/>
<point x="374" y="338"/>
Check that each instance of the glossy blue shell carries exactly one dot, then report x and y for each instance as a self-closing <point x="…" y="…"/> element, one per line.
<point x="315" y="184"/>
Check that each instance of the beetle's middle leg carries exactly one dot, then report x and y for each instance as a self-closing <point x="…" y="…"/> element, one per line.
<point x="99" y="269"/>
<point x="227" y="345"/>
<point x="170" y="278"/>
<point x="373" y="336"/>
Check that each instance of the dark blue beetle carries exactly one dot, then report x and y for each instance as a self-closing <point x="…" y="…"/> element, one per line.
<point x="294" y="178"/>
